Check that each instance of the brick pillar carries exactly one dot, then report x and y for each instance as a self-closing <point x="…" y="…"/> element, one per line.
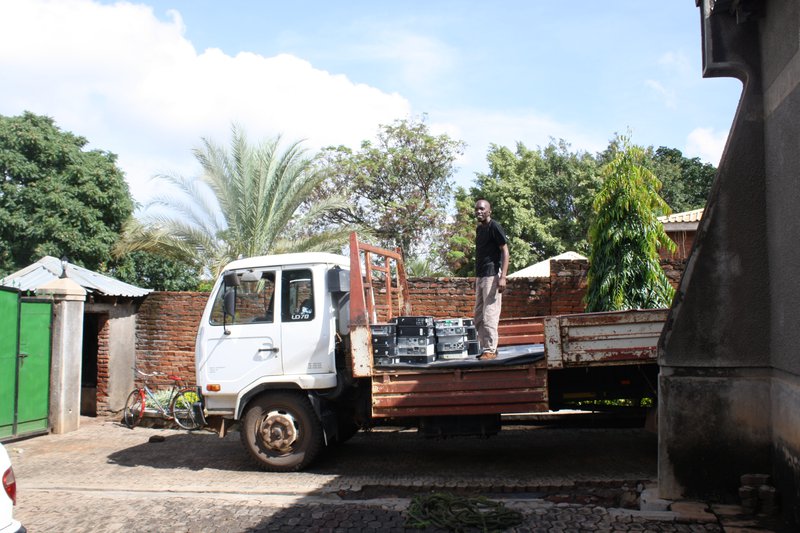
<point x="568" y="286"/>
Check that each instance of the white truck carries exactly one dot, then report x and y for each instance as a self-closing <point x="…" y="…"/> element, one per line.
<point x="284" y="350"/>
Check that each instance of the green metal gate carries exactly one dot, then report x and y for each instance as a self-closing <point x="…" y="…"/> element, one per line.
<point x="25" y="341"/>
<point x="9" y="347"/>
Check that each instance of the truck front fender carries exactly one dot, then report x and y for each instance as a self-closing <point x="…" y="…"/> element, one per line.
<point x="305" y="382"/>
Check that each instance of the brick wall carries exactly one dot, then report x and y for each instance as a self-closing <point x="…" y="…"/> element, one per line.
<point x="673" y="268"/>
<point x="567" y="287"/>
<point x="101" y="398"/>
<point x="562" y="293"/>
<point x="167" y="321"/>
<point x="684" y="240"/>
<point x="455" y="297"/>
<point x="165" y="331"/>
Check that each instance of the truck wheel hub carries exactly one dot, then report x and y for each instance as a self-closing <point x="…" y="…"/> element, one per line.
<point x="279" y="431"/>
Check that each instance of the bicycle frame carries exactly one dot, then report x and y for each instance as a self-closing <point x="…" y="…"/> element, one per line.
<point x="183" y="405"/>
<point x="162" y="409"/>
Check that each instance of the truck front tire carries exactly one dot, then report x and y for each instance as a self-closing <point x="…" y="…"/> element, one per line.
<point x="281" y="431"/>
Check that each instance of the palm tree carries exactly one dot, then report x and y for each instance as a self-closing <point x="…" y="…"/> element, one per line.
<point x="246" y="202"/>
<point x="423" y="267"/>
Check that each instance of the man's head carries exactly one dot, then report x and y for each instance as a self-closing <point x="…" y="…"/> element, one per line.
<point x="483" y="211"/>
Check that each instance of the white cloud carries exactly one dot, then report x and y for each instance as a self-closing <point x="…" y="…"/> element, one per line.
<point x="678" y="63"/>
<point x="667" y="96"/>
<point x="706" y="144"/>
<point x="134" y="85"/>
<point x="676" y="69"/>
<point x="421" y="62"/>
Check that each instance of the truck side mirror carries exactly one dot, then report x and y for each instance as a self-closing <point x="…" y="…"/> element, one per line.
<point x="338" y="280"/>
<point x="230" y="282"/>
<point x="229" y="302"/>
<point x="231" y="279"/>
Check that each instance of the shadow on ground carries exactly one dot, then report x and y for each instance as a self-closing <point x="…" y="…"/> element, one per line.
<point x="514" y="454"/>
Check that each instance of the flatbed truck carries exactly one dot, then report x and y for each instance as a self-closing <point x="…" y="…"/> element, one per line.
<point x="284" y="351"/>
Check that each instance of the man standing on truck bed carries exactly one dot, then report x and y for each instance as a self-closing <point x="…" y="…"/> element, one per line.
<point x="491" y="266"/>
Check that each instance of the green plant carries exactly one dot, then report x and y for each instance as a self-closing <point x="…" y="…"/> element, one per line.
<point x="163" y="397"/>
<point x="625" y="235"/>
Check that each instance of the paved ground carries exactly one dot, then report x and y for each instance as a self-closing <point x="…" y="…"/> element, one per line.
<point x="107" y="478"/>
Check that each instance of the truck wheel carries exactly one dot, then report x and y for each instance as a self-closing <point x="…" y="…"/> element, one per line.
<point x="282" y="432"/>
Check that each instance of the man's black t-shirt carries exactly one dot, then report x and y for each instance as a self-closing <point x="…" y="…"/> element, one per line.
<point x="488" y="240"/>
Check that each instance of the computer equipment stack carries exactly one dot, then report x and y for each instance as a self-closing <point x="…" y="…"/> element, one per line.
<point x="456" y="339"/>
<point x="420" y="340"/>
<point x="416" y="340"/>
<point x="384" y="344"/>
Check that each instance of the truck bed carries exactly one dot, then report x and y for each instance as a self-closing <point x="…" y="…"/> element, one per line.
<point x="487" y="388"/>
<point x="518" y="380"/>
<point x="603" y="339"/>
<point x="515" y="382"/>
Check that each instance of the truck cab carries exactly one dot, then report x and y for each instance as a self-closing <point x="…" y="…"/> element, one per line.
<point x="270" y="321"/>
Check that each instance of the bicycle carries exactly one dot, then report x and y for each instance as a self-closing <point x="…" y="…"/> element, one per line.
<point x="183" y="406"/>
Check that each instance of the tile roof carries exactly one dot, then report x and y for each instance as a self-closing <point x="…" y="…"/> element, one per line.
<point x="49" y="268"/>
<point x="687" y="216"/>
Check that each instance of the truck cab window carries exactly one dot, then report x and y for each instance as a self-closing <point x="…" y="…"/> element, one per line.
<point x="298" y="296"/>
<point x="254" y="301"/>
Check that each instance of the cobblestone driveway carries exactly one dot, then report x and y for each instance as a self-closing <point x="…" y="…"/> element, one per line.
<point x="107" y="478"/>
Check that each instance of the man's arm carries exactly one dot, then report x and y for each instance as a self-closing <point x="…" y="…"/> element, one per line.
<point x="504" y="256"/>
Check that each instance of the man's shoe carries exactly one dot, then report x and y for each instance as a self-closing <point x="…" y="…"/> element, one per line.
<point x="485" y="356"/>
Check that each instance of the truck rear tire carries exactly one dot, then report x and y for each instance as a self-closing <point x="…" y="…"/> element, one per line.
<point x="281" y="431"/>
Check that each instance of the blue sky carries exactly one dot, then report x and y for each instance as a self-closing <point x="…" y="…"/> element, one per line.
<point x="146" y="80"/>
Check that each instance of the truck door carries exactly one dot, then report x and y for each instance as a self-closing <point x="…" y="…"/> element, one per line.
<point x="305" y="324"/>
<point x="238" y="349"/>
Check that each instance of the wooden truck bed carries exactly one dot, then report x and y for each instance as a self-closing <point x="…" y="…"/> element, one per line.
<point x="613" y="338"/>
<point x="460" y="391"/>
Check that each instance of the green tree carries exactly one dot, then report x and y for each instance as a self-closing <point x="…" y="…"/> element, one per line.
<point x="541" y="197"/>
<point x="423" y="267"/>
<point x="459" y="256"/>
<point x="246" y="202"/>
<point x="398" y="187"/>
<point x="625" y="236"/>
<point x="151" y="271"/>
<point x="56" y="198"/>
<point x="685" y="182"/>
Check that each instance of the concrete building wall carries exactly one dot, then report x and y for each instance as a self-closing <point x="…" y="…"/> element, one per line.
<point x="781" y="75"/>
<point x="730" y="378"/>
<point x="65" y="360"/>
<point x="121" y="359"/>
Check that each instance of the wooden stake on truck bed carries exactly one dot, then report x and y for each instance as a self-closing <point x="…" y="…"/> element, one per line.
<point x="363" y="309"/>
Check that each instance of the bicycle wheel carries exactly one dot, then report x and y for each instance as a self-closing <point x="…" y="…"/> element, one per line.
<point x="134" y="408"/>
<point x="183" y="409"/>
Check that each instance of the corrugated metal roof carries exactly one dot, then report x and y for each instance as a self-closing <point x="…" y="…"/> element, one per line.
<point x="49" y="268"/>
<point x="687" y="216"/>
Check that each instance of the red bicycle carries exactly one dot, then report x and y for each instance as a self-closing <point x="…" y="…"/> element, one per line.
<point x="183" y="404"/>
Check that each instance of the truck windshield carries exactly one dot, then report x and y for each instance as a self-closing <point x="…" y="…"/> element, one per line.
<point x="254" y="299"/>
